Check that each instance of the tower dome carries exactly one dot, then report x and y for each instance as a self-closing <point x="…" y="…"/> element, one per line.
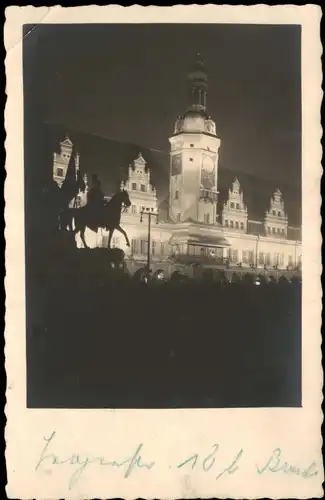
<point x="194" y="121"/>
<point x="196" y="118"/>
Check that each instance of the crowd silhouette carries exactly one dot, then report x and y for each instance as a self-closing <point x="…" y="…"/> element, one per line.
<point x="103" y="337"/>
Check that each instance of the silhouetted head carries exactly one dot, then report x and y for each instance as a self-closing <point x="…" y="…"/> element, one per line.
<point x="125" y="198"/>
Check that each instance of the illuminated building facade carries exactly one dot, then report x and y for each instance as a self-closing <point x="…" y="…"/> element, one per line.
<point x="198" y="227"/>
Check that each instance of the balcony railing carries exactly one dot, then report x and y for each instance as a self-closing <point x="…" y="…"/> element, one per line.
<point x="208" y="194"/>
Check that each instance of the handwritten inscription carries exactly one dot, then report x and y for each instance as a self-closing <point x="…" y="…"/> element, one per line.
<point x="275" y="463"/>
<point x="129" y="464"/>
<point x="199" y="462"/>
<point x="209" y="461"/>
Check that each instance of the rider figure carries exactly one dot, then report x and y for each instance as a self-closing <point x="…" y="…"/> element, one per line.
<point x="95" y="200"/>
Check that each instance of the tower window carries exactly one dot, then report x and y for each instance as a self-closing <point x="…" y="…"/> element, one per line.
<point x="237" y="206"/>
<point x="236" y="225"/>
<point x="134" y="186"/>
<point x="59" y="172"/>
<point x="176" y="194"/>
<point x="143" y="188"/>
<point x="178" y="217"/>
<point x="273" y="230"/>
<point x="268" y="229"/>
<point x="279" y="214"/>
<point x="207" y="218"/>
<point x="232" y="205"/>
<point x="241" y="225"/>
<point x="273" y="212"/>
<point x="231" y="223"/>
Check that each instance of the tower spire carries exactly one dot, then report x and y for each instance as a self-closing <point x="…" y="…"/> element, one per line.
<point x="198" y="84"/>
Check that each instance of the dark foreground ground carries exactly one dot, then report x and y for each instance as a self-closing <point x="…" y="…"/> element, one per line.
<point x="114" y="343"/>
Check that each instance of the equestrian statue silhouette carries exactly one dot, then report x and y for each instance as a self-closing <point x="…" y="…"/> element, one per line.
<point x="98" y="213"/>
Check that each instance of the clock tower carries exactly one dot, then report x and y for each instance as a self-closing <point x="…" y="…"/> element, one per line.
<point x="194" y="156"/>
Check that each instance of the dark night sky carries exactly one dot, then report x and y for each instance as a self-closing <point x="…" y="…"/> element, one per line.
<point x="128" y="82"/>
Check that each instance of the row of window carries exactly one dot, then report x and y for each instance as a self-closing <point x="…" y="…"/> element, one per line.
<point x="237" y="207"/>
<point x="234" y="205"/>
<point x="140" y="247"/>
<point x="278" y="213"/>
<point x="135" y="188"/>
<point x="234" y="224"/>
<point x="275" y="230"/>
<point x="248" y="257"/>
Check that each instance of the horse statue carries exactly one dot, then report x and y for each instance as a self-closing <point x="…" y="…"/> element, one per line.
<point x="108" y="217"/>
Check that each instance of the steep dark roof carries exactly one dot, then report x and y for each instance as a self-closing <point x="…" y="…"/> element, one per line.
<point x="110" y="160"/>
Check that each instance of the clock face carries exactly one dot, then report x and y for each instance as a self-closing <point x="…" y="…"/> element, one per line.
<point x="208" y="165"/>
<point x="176" y="164"/>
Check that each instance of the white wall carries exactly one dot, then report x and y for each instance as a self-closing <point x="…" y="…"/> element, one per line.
<point x="266" y="245"/>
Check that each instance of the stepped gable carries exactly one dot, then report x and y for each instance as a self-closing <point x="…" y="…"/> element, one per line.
<point x="257" y="194"/>
<point x="110" y="159"/>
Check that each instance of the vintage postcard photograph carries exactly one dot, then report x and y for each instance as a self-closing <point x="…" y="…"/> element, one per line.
<point x="163" y="252"/>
